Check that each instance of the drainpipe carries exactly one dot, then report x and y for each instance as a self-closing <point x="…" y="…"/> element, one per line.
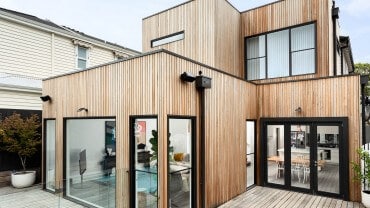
<point x="335" y="16"/>
<point x="201" y="83"/>
<point x="363" y="80"/>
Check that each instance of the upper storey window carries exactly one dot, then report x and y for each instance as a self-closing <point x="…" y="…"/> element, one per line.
<point x="281" y="53"/>
<point x="168" y="39"/>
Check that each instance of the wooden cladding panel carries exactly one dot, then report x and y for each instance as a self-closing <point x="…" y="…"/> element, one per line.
<point x="288" y="13"/>
<point x="212" y="33"/>
<point x="331" y="97"/>
<point x="150" y="85"/>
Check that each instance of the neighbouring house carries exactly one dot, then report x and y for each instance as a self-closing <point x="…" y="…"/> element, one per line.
<point x="220" y="101"/>
<point x="32" y="49"/>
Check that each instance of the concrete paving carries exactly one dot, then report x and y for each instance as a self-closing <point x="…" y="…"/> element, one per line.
<point x="33" y="197"/>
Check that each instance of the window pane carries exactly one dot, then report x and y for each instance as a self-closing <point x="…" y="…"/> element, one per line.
<point x="328" y="157"/>
<point x="275" y="154"/>
<point x="50" y="155"/>
<point x="146" y="162"/>
<point x="256" y="47"/>
<point x="91" y="161"/>
<point x="81" y="64"/>
<point x="303" y="62"/>
<point x="256" y="68"/>
<point x="82" y="52"/>
<point x="303" y="37"/>
<point x="180" y="155"/>
<point x="171" y="38"/>
<point x="250" y="153"/>
<point x="278" y="54"/>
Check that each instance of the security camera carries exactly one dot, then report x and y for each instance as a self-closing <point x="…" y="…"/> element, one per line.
<point x="187" y="77"/>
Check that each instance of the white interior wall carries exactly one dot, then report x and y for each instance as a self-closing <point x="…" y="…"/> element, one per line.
<point x="86" y="134"/>
<point x="180" y="130"/>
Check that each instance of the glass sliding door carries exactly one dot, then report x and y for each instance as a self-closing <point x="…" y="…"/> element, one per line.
<point x="275" y="154"/>
<point x="144" y="162"/>
<point x="250" y="160"/>
<point x="327" y="163"/>
<point x="314" y="158"/>
<point x="180" y="162"/>
<point x="90" y="165"/>
<point x="300" y="153"/>
<point x="50" y="155"/>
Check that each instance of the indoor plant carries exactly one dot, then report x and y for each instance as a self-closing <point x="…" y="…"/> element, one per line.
<point x="21" y="136"/>
<point x="154" y="142"/>
<point x="362" y="174"/>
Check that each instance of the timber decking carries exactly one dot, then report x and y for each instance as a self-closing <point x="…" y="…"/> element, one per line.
<point x="269" y="197"/>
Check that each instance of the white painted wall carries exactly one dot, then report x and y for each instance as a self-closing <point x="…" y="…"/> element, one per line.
<point x="30" y="51"/>
<point x="271" y="139"/>
<point x="180" y="130"/>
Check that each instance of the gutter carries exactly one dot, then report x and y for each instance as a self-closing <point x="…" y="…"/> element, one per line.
<point x="18" y="88"/>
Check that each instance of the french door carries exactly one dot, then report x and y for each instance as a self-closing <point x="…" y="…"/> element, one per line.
<point x="306" y="155"/>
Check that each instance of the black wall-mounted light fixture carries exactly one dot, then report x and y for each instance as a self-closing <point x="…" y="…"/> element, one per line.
<point x="82" y="109"/>
<point x="45" y="98"/>
<point x="187" y="77"/>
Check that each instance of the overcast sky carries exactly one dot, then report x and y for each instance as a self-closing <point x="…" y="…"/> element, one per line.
<point x="119" y="21"/>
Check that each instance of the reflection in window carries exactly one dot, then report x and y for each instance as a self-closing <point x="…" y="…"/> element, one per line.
<point x="250" y="153"/>
<point x="275" y="154"/>
<point x="50" y="155"/>
<point x="146" y="162"/>
<point x="281" y="53"/>
<point x="91" y="161"/>
<point x="179" y="159"/>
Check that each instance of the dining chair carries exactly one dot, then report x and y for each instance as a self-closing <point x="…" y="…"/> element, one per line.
<point x="306" y="171"/>
<point x="280" y="168"/>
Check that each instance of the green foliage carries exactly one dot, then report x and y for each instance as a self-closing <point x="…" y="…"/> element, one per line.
<point x="364" y="69"/>
<point x="362" y="174"/>
<point x="21" y="136"/>
<point x="154" y="142"/>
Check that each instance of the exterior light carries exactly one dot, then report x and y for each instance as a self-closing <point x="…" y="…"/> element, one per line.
<point x="82" y="109"/>
<point x="45" y="98"/>
<point x="298" y="110"/>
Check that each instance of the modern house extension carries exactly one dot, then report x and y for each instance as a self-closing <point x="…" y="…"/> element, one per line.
<point x="221" y="100"/>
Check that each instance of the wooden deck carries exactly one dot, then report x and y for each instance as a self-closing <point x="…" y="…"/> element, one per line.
<point x="270" y="198"/>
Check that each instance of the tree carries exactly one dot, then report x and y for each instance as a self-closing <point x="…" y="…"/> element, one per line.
<point x="21" y="136"/>
<point x="364" y="69"/>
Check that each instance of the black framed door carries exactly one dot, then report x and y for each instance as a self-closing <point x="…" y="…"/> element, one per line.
<point x="306" y="155"/>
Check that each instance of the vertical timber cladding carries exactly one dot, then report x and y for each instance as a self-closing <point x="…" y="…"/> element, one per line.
<point x="212" y="33"/>
<point x="150" y="85"/>
<point x="327" y="97"/>
<point x="287" y="13"/>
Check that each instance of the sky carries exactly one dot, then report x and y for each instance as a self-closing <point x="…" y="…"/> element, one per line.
<point x="119" y="21"/>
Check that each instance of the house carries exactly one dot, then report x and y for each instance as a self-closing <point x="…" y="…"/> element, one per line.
<point x="33" y="49"/>
<point x="221" y="100"/>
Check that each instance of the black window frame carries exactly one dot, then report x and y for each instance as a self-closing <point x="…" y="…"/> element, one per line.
<point x="167" y="37"/>
<point x="314" y="23"/>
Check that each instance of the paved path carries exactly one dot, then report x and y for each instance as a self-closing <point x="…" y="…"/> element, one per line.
<point x="262" y="197"/>
<point x="32" y="197"/>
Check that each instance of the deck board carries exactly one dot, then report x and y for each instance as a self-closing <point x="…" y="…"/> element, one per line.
<point x="263" y="197"/>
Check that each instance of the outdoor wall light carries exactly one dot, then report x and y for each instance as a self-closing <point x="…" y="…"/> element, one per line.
<point x="82" y="109"/>
<point x="298" y="110"/>
<point x="45" y="98"/>
<point x="187" y="77"/>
